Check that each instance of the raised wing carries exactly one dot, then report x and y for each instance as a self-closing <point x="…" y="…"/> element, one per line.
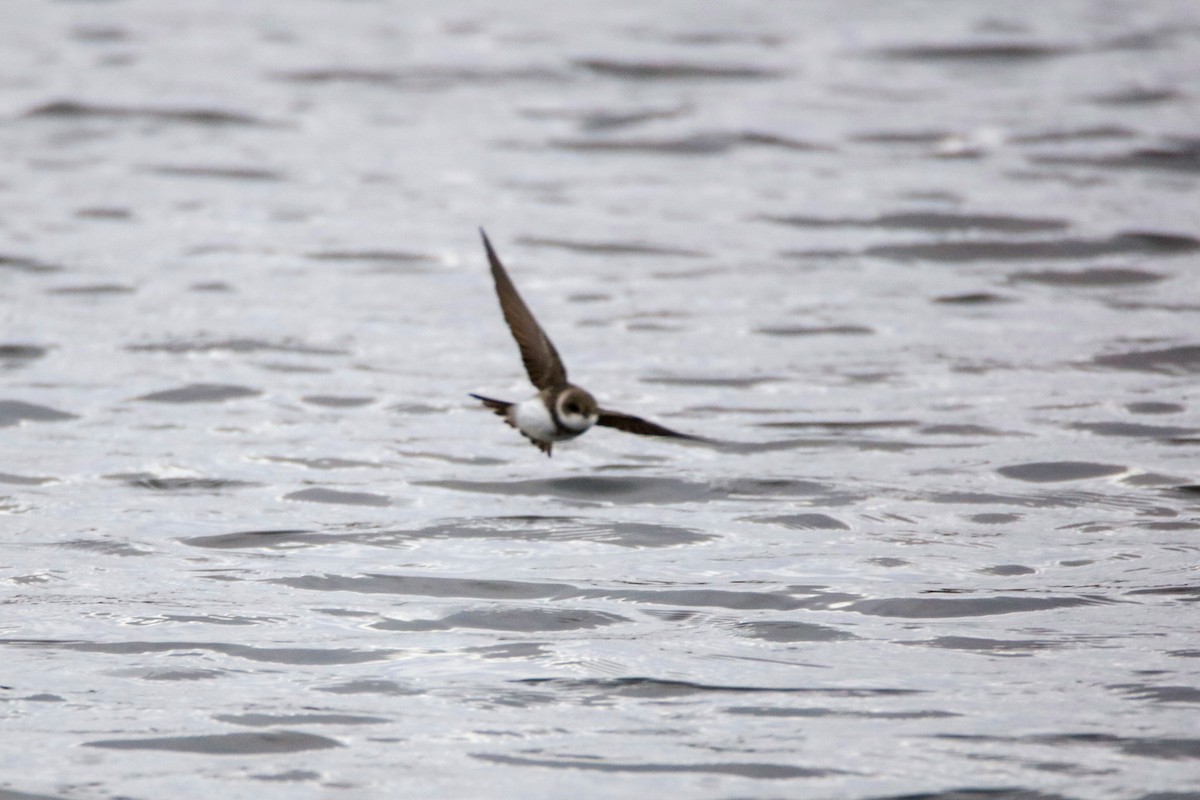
<point x="631" y="424"/>
<point x="541" y="360"/>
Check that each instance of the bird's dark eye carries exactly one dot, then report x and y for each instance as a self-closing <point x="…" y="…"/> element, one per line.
<point x="572" y="408"/>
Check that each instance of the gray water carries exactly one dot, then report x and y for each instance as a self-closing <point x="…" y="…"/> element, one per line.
<point x="927" y="271"/>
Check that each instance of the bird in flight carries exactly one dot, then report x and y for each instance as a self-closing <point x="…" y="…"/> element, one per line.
<point x="560" y="410"/>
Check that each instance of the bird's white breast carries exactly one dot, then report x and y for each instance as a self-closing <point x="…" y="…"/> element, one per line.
<point x="533" y="419"/>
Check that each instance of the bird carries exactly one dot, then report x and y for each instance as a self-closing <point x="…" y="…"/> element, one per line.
<point x="560" y="410"/>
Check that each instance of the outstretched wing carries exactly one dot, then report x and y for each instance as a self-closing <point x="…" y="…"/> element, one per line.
<point x="631" y="424"/>
<point x="541" y="360"/>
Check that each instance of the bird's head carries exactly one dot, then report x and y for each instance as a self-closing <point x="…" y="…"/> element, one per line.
<point x="577" y="409"/>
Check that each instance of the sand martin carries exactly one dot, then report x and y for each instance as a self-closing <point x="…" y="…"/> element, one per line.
<point x="560" y="410"/>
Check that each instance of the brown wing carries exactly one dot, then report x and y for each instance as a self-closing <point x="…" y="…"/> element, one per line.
<point x="541" y="360"/>
<point x="632" y="424"/>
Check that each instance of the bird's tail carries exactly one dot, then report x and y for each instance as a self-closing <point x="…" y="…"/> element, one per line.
<point x="499" y="406"/>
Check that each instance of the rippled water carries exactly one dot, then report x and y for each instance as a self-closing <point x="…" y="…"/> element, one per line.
<point x="926" y="272"/>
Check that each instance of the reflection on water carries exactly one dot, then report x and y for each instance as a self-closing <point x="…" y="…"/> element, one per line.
<point x="925" y="278"/>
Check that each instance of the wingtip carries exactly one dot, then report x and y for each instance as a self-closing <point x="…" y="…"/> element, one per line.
<point x="493" y="258"/>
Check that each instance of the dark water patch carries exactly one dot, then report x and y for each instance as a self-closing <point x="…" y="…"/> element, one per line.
<point x="833" y="442"/>
<point x="1087" y="133"/>
<point x="200" y="393"/>
<point x="767" y="139"/>
<point x="930" y="221"/>
<point x="1153" y="407"/>
<point x="1053" y="471"/>
<point x="986" y="52"/>
<point x="1172" y="749"/>
<point x="1169" y="526"/>
<point x="1098" y="276"/>
<point x="145" y="480"/>
<point x="621" y="534"/>
<point x="960" y="430"/>
<point x="947" y="607"/>
<point x="290" y="776"/>
<point x="1132" y="243"/>
<point x="637" y="490"/>
<point x="914" y="137"/>
<point x="18" y="355"/>
<point x="380" y="687"/>
<point x="429" y="586"/>
<point x="106" y="213"/>
<point x="24" y="264"/>
<point x="75" y="109"/>
<point x="233" y="346"/>
<point x="816" y="330"/>
<point x="280" y="539"/>
<point x="589" y="297"/>
<point x="1152" y="479"/>
<point x="211" y="286"/>
<point x="1182" y="156"/>
<point x="804" y="522"/>
<point x="888" y="563"/>
<point x="1137" y="96"/>
<point x="521" y="620"/>
<point x="612" y="120"/>
<point x="93" y="289"/>
<point x="995" y="519"/>
<point x="269" y="720"/>
<point x="752" y="770"/>
<point x="1159" y="694"/>
<point x="972" y="299"/>
<point x="103" y="547"/>
<point x="425" y="77"/>
<point x="991" y="646"/>
<point x="14" y="412"/>
<point x="606" y="119"/>
<point x="256" y="174"/>
<point x="697" y="144"/>
<point x="372" y="256"/>
<point x="432" y="586"/>
<point x="1006" y="570"/>
<point x="674" y="70"/>
<point x="720" y="598"/>
<point x="321" y="495"/>
<point x="1184" y="360"/>
<point x="701" y="144"/>
<point x="269" y="655"/>
<point x="610" y="248"/>
<point x="1133" y="429"/>
<point x="226" y="744"/>
<point x="24" y="480"/>
<point x="788" y="631"/>
<point x="1186" y="593"/>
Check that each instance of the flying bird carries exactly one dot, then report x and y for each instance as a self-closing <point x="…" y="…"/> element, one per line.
<point x="560" y="410"/>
